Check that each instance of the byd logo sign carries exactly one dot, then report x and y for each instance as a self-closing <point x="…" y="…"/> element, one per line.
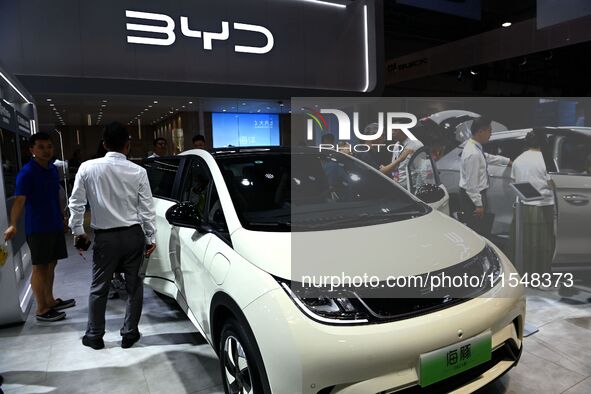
<point x="152" y="23"/>
<point x="387" y="127"/>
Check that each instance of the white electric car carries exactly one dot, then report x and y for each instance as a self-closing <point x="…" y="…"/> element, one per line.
<point x="226" y="223"/>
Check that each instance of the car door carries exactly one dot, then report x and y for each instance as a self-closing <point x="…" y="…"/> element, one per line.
<point x="190" y="243"/>
<point x="164" y="176"/>
<point x="573" y="199"/>
<point x="204" y="252"/>
<point x="423" y="181"/>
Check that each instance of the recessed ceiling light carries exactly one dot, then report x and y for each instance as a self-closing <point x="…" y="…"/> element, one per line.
<point x="103" y="105"/>
<point x="52" y="105"/>
<point x="223" y="110"/>
<point x="190" y="102"/>
<point x="282" y="105"/>
<point x="155" y="102"/>
<point x="149" y="106"/>
<point x="184" y="106"/>
<point x="506" y="24"/>
<point x="243" y="103"/>
<point x="48" y="100"/>
<point x="104" y="101"/>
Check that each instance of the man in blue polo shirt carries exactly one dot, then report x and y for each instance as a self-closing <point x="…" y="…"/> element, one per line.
<point x="37" y="191"/>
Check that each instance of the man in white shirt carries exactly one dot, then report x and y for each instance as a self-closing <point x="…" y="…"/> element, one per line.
<point x="123" y="220"/>
<point x="474" y="180"/>
<point x="538" y="216"/>
<point x="160" y="148"/>
<point x="401" y="159"/>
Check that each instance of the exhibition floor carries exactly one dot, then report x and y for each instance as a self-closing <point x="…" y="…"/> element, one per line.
<point x="172" y="357"/>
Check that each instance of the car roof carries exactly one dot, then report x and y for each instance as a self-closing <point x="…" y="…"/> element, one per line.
<point x="520" y="133"/>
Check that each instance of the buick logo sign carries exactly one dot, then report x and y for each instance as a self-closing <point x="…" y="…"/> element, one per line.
<point x="153" y="24"/>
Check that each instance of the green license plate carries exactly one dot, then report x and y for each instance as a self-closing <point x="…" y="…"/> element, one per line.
<point x="454" y="359"/>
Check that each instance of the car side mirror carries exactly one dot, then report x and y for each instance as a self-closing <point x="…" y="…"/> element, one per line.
<point x="184" y="214"/>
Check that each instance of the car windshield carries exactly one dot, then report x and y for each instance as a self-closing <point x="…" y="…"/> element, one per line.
<point x="311" y="191"/>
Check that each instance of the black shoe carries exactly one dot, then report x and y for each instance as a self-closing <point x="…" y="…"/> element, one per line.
<point x="96" y="344"/>
<point x="127" y="341"/>
<point x="51" y="315"/>
<point x="63" y="304"/>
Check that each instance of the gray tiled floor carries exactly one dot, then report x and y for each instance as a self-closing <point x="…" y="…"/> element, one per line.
<point x="173" y="358"/>
<point x="170" y="358"/>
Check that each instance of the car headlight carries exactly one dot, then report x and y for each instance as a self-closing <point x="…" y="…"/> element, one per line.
<point x="491" y="265"/>
<point x="333" y="307"/>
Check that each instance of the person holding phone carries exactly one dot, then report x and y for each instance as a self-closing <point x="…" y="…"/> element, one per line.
<point x="123" y="220"/>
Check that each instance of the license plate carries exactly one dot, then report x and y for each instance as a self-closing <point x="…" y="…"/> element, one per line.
<point x="454" y="359"/>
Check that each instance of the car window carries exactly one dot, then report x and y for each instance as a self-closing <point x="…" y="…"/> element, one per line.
<point x="573" y="155"/>
<point x="510" y="148"/>
<point x="198" y="187"/>
<point x="215" y="213"/>
<point x="422" y="171"/>
<point x="162" y="174"/>
<point x="308" y="191"/>
<point x="195" y="185"/>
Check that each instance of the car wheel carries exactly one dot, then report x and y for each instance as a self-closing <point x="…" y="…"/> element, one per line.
<point x="241" y="372"/>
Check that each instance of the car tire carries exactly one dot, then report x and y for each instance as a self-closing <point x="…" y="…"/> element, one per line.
<point x="238" y="348"/>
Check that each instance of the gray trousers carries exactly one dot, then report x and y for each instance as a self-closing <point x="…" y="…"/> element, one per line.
<point x="118" y="250"/>
<point x="482" y="226"/>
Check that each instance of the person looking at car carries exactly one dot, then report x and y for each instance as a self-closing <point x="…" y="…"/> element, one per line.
<point x="199" y="142"/>
<point x="160" y="148"/>
<point x="123" y="220"/>
<point x="400" y="163"/>
<point x="538" y="216"/>
<point x="378" y="154"/>
<point x="38" y="193"/>
<point x="474" y="180"/>
<point x="327" y="139"/>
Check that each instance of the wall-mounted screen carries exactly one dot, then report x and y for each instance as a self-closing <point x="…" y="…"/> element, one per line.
<point x="231" y="129"/>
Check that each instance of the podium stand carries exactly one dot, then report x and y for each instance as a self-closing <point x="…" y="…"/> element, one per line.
<point x="528" y="329"/>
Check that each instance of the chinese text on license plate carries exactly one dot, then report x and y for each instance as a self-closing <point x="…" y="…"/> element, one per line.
<point x="454" y="359"/>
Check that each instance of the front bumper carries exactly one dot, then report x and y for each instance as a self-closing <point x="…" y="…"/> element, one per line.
<point x="303" y="356"/>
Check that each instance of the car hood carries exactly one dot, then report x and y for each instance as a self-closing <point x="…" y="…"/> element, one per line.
<point x="410" y="247"/>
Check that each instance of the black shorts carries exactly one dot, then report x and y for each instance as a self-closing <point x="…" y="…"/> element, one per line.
<point x="47" y="247"/>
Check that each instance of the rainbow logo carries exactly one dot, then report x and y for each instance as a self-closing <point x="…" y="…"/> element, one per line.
<point x="317" y="117"/>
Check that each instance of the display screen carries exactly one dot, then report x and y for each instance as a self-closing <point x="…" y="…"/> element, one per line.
<point x="231" y="129"/>
<point x="527" y="192"/>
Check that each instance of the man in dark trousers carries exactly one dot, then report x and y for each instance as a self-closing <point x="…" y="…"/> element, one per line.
<point x="37" y="191"/>
<point x="120" y="200"/>
<point x="474" y="181"/>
